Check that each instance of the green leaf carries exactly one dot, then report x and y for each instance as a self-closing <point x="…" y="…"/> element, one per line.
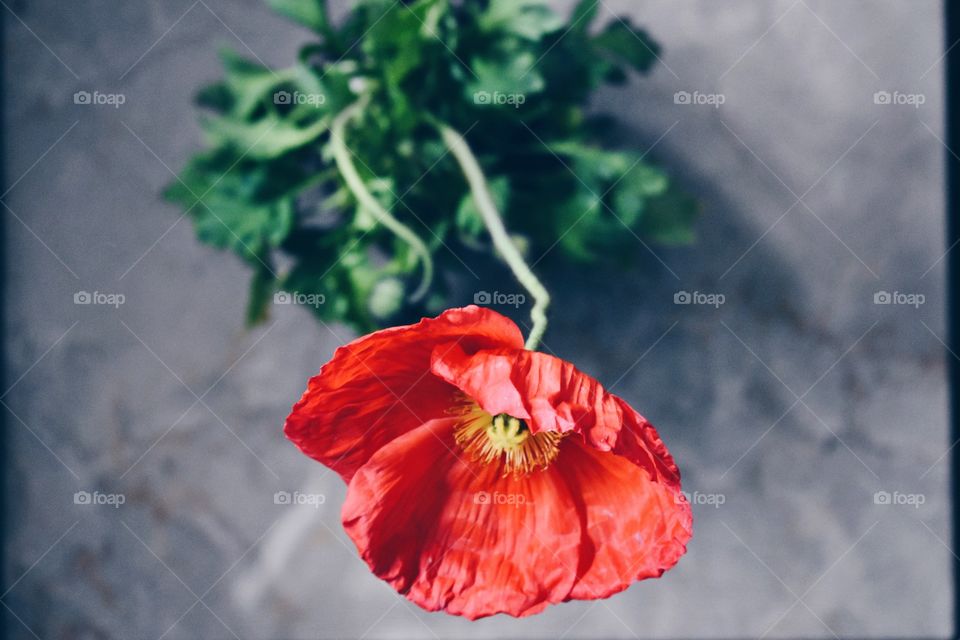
<point x="513" y="77"/>
<point x="576" y="225"/>
<point x="248" y="82"/>
<point x="584" y="14"/>
<point x="196" y="178"/>
<point x="628" y="44"/>
<point x="398" y="38"/>
<point x="613" y="192"/>
<point x="669" y="218"/>
<point x="309" y="13"/>
<point x="634" y="189"/>
<point x="246" y="228"/>
<point x="529" y="19"/>
<point x="241" y="210"/>
<point x="266" y="138"/>
<point x="603" y="169"/>
<point x="215" y="96"/>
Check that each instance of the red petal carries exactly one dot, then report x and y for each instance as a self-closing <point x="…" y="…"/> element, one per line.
<point x="634" y="527"/>
<point x="553" y="395"/>
<point x="414" y="513"/>
<point x="379" y="386"/>
<point x="640" y="443"/>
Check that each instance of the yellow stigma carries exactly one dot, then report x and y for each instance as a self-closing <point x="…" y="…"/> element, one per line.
<point x="505" y="440"/>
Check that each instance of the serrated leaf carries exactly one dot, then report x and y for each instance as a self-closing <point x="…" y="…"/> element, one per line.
<point x="248" y="230"/>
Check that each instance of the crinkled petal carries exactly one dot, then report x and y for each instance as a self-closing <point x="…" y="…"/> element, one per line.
<point x="639" y="442"/>
<point x="379" y="386"/>
<point x="553" y="395"/>
<point x="633" y="527"/>
<point x="455" y="535"/>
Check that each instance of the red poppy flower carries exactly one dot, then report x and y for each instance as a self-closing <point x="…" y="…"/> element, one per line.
<point x="485" y="478"/>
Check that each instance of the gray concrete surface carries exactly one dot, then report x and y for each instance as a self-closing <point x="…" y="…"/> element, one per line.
<point x="796" y="401"/>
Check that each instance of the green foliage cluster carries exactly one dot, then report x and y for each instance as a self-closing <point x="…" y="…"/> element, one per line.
<point x="511" y="75"/>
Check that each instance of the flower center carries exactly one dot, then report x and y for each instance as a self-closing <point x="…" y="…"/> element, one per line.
<point x="506" y="440"/>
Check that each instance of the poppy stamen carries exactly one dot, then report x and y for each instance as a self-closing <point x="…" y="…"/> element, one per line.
<point x="506" y="440"/>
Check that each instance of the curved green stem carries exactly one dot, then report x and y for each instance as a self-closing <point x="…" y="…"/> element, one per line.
<point x="343" y="157"/>
<point x="501" y="240"/>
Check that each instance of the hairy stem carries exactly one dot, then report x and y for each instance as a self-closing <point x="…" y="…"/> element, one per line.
<point x="344" y="159"/>
<point x="501" y="240"/>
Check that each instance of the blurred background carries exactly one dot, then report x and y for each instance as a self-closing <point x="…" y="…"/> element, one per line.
<point x="808" y="411"/>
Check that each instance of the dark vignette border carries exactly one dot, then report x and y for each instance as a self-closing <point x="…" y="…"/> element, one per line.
<point x="952" y="164"/>
<point x="4" y="418"/>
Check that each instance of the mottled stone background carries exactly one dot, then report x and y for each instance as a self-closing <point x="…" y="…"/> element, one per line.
<point x="795" y="401"/>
